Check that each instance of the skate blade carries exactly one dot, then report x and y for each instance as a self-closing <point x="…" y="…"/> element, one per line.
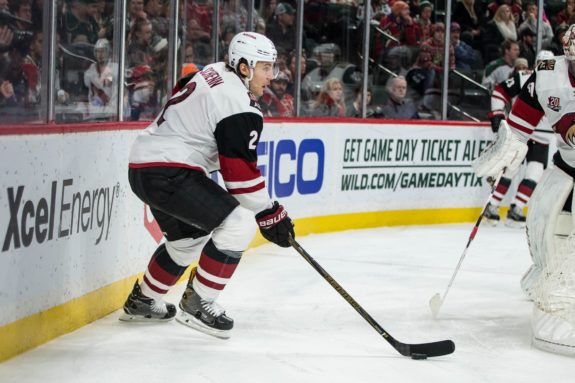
<point x="192" y="322"/>
<point x="514" y="224"/>
<point x="125" y="317"/>
<point x="492" y="222"/>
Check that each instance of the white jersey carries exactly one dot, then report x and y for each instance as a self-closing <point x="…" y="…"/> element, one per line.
<point x="549" y="92"/>
<point x="212" y="123"/>
<point x="505" y="94"/>
<point x="102" y="89"/>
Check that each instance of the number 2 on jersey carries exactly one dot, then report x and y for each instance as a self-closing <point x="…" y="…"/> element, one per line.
<point x="188" y="89"/>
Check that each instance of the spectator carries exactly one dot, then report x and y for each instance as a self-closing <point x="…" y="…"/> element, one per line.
<point x="470" y="16"/>
<point x="353" y="109"/>
<point x="305" y="96"/>
<point x="160" y="24"/>
<point x="282" y="31"/>
<point x="499" y="69"/>
<point x="564" y="15"/>
<point x="421" y="76"/>
<point x="380" y="9"/>
<point x="557" y="42"/>
<point x="140" y="89"/>
<point x="423" y="20"/>
<point x="135" y="12"/>
<point x="527" y="48"/>
<point x="500" y="28"/>
<point x="465" y="55"/>
<point x="276" y="102"/>
<point x="268" y="12"/>
<point x="397" y="106"/>
<point x="330" y="102"/>
<point x="200" y="40"/>
<point x="531" y="22"/>
<point x="79" y="26"/>
<point x="436" y="48"/>
<point x="31" y="69"/>
<point x="398" y="24"/>
<point x="23" y="11"/>
<point x="101" y="79"/>
<point x="514" y="5"/>
<point x="140" y="49"/>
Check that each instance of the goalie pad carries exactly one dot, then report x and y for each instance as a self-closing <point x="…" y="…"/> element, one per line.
<point x="545" y="222"/>
<point x="506" y="152"/>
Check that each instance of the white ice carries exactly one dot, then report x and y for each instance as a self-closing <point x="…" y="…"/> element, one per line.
<point x="292" y="326"/>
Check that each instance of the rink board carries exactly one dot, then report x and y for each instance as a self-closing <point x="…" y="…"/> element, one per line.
<point x="74" y="238"/>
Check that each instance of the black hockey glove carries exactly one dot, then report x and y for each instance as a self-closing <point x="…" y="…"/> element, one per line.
<point x="275" y="225"/>
<point x="495" y="118"/>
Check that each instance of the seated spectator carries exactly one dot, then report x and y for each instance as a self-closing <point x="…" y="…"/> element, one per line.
<point x="436" y="48"/>
<point x="499" y="69"/>
<point x="139" y="48"/>
<point x="470" y="15"/>
<point x="79" y="26"/>
<point x="292" y="60"/>
<point x="531" y="22"/>
<point x="276" y="102"/>
<point x="500" y="28"/>
<point x="527" y="48"/>
<point x="398" y="24"/>
<point x="330" y="101"/>
<point x="354" y="108"/>
<point x="514" y="5"/>
<point x="282" y="30"/>
<point x="101" y="79"/>
<point x="140" y="89"/>
<point x="423" y="20"/>
<point x="398" y="107"/>
<point x="31" y="69"/>
<point x="564" y="15"/>
<point x="421" y="76"/>
<point x="160" y="24"/>
<point x="465" y="55"/>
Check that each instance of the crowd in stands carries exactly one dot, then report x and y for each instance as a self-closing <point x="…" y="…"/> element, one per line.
<point x="406" y="52"/>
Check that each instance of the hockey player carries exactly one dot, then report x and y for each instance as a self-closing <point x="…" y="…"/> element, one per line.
<point x="213" y="123"/>
<point x="537" y="156"/>
<point x="550" y="227"/>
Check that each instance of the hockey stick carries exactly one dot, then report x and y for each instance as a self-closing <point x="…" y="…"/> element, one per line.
<point x="416" y="351"/>
<point x="436" y="301"/>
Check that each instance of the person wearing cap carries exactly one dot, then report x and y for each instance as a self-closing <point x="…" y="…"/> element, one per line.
<point x="282" y="30"/>
<point x="465" y="55"/>
<point x="435" y="44"/>
<point x="398" y="24"/>
<point x="423" y="20"/>
<point x="276" y="101"/>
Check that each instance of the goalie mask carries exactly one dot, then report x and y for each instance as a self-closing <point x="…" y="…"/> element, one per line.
<point x="569" y="43"/>
<point x="252" y="47"/>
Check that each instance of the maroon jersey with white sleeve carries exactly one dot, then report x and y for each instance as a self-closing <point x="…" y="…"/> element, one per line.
<point x="212" y="123"/>
<point x="549" y="92"/>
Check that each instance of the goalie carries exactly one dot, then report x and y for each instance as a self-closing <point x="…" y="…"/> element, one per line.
<point x="550" y="282"/>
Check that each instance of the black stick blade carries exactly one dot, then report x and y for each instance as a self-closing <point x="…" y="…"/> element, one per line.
<point x="440" y="348"/>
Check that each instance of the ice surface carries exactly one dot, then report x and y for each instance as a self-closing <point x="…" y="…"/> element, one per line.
<point x="291" y="326"/>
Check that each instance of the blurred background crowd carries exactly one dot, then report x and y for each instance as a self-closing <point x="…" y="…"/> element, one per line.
<point x="98" y="60"/>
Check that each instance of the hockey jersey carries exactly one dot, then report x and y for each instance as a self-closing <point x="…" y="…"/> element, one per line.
<point x="212" y="123"/>
<point x="549" y="92"/>
<point x="505" y="94"/>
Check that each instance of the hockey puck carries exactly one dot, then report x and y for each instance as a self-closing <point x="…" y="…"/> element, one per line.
<point x="418" y="356"/>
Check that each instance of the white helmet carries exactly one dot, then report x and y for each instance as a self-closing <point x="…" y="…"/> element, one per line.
<point x="569" y="43"/>
<point x="102" y="44"/>
<point x="544" y="55"/>
<point x="252" y="47"/>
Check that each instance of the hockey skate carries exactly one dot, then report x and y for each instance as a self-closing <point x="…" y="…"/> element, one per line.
<point x="203" y="315"/>
<point x="515" y="217"/>
<point x="141" y="308"/>
<point x="491" y="214"/>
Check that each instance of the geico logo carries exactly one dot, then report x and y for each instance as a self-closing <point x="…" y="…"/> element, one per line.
<point x="61" y="214"/>
<point x="288" y="166"/>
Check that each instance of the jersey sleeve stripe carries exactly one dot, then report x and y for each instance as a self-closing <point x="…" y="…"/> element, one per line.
<point x="526" y="112"/>
<point x="501" y="94"/>
<point x="246" y="190"/>
<point x="244" y="184"/>
<point x="238" y="169"/>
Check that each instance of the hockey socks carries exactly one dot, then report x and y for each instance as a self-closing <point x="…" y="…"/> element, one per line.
<point x="162" y="274"/>
<point x="215" y="269"/>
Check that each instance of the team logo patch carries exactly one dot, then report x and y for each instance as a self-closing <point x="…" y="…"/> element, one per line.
<point x="546" y="65"/>
<point x="553" y="103"/>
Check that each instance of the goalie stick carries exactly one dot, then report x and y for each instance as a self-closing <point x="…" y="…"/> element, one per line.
<point x="416" y="351"/>
<point x="436" y="301"/>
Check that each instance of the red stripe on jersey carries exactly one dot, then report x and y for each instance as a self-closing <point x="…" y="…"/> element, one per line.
<point x="208" y="283"/>
<point x="154" y="287"/>
<point x="215" y="268"/>
<point x="251" y="189"/>
<point x="161" y="275"/>
<point x="526" y="112"/>
<point x="521" y="128"/>
<point x="503" y="92"/>
<point x="238" y="169"/>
